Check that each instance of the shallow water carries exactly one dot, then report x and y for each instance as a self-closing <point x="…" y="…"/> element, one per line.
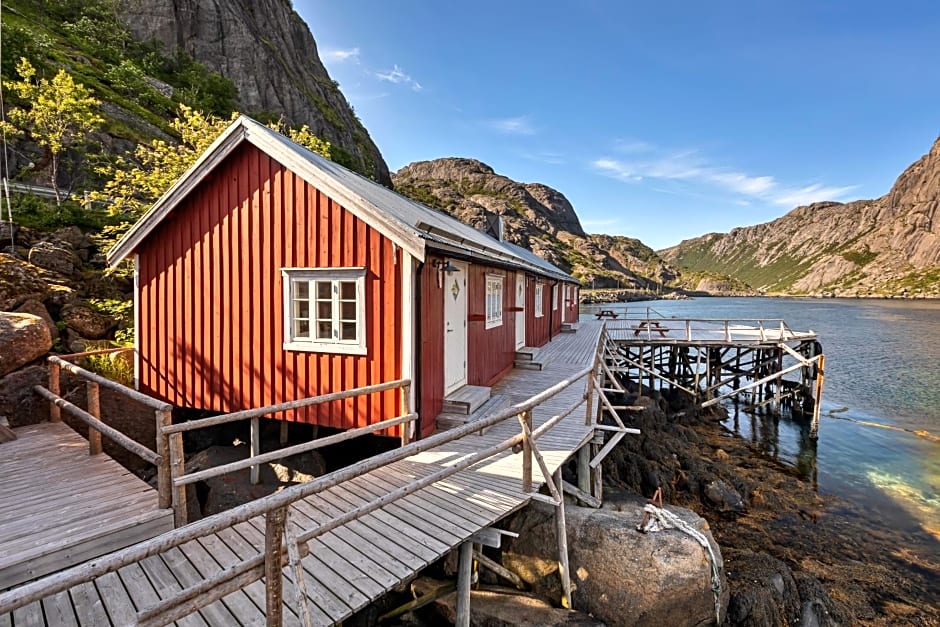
<point x="882" y="368"/>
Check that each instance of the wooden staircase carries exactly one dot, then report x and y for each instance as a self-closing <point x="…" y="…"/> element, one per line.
<point x="527" y="359"/>
<point x="495" y="403"/>
<point x="466" y="400"/>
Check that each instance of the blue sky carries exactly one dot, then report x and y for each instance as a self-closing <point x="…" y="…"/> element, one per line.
<point x="658" y="120"/>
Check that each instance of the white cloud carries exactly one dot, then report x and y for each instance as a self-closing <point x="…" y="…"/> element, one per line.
<point x="632" y="145"/>
<point x="341" y="55"/>
<point x="592" y="223"/>
<point x="689" y="166"/>
<point x="398" y="76"/>
<point x="545" y="156"/>
<point x="520" y="125"/>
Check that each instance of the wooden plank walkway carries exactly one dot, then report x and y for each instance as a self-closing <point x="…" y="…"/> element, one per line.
<point x="60" y="506"/>
<point x="357" y="563"/>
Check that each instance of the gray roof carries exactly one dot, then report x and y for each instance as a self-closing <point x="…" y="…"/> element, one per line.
<point x="410" y="224"/>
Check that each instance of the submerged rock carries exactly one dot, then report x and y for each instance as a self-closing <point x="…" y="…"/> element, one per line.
<point x="724" y="497"/>
<point x="620" y="576"/>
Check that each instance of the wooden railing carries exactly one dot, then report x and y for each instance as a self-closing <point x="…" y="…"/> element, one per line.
<point x="282" y="546"/>
<point x="744" y="330"/>
<point x="92" y="416"/>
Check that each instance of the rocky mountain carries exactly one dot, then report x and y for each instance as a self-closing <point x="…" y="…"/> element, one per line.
<point x="889" y="245"/>
<point x="267" y="50"/>
<point x="535" y="216"/>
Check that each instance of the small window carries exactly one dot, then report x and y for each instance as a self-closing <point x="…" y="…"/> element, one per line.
<point x="555" y="297"/>
<point x="538" y="300"/>
<point x="494" y="300"/>
<point x="324" y="310"/>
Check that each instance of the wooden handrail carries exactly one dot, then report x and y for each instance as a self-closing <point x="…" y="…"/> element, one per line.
<point x="94" y="423"/>
<point x="287" y="451"/>
<point x="100" y="351"/>
<point x="285" y="406"/>
<point x="30" y="592"/>
<point x="143" y="399"/>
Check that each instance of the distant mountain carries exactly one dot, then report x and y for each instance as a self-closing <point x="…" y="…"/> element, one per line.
<point x="890" y="245"/>
<point x="535" y="216"/>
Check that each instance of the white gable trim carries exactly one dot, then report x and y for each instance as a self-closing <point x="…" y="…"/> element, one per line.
<point x="244" y="128"/>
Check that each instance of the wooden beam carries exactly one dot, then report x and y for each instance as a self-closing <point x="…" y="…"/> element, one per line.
<point x="561" y="533"/>
<point x="94" y="408"/>
<point x="254" y="474"/>
<point x="273" y="579"/>
<point x="499" y="570"/>
<point x="108" y="383"/>
<point x="464" y="574"/>
<point x="55" y="413"/>
<point x="580" y="494"/>
<point x="164" y="418"/>
<point x="177" y="468"/>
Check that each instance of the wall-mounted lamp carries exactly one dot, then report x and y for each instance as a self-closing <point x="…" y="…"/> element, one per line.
<point x="446" y="266"/>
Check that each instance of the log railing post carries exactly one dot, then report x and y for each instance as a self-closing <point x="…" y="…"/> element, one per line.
<point x="464" y="579"/>
<point x="562" y="534"/>
<point x="164" y="418"/>
<point x="405" y="410"/>
<point x="94" y="408"/>
<point x="525" y="419"/>
<point x="55" y="413"/>
<point x="254" y="473"/>
<point x="274" y="523"/>
<point x="178" y="469"/>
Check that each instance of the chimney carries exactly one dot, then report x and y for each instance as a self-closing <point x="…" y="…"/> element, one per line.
<point x="494" y="225"/>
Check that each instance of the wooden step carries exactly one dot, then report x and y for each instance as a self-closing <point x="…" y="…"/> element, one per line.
<point x="466" y="400"/>
<point x="526" y="353"/>
<point x="527" y="365"/>
<point x="569" y="327"/>
<point x="496" y="403"/>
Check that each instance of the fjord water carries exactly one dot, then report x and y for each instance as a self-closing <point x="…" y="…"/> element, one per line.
<point x="882" y="368"/>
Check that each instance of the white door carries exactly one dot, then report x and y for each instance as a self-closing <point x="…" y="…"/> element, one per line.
<point x="455" y="328"/>
<point x="520" y="306"/>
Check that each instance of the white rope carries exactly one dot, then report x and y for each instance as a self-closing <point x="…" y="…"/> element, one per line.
<point x="659" y="519"/>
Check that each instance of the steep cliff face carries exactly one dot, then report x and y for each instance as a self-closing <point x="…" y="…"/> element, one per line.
<point x="890" y="245"/>
<point x="535" y="216"/>
<point x="267" y="50"/>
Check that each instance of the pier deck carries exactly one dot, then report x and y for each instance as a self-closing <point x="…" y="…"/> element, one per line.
<point x="62" y="506"/>
<point x="356" y="563"/>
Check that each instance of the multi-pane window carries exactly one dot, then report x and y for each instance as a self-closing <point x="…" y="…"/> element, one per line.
<point x="539" y="297"/>
<point x="494" y="300"/>
<point x="555" y="297"/>
<point x="324" y="309"/>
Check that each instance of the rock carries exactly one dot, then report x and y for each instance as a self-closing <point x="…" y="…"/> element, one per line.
<point x="60" y="295"/>
<point x="86" y="322"/>
<point x="817" y="609"/>
<point x="36" y="308"/>
<point x="18" y="402"/>
<point x="724" y="497"/>
<point x="267" y="51"/>
<point x="621" y="576"/>
<point x="19" y="282"/>
<point x="73" y="342"/>
<point x="23" y="338"/>
<point x="71" y="236"/>
<point x="495" y="608"/>
<point x="57" y="257"/>
<point x="763" y="591"/>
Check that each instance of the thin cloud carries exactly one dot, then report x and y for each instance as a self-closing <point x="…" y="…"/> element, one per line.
<point x="546" y="157"/>
<point x="633" y="146"/>
<point x="689" y="166"/>
<point x="520" y="125"/>
<point x="399" y="77"/>
<point x="341" y="55"/>
<point x="610" y="222"/>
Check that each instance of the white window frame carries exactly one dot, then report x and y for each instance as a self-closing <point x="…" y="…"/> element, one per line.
<point x="292" y="277"/>
<point x="539" y="300"/>
<point x="555" y="291"/>
<point x="494" y="300"/>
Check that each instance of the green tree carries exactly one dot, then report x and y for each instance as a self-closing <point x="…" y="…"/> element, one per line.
<point x="59" y="114"/>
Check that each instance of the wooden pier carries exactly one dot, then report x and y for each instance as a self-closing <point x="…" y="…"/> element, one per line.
<point x="352" y="535"/>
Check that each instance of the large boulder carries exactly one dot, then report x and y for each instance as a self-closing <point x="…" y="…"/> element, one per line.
<point x="620" y="576"/>
<point x="765" y="592"/>
<point x="56" y="256"/>
<point x="19" y="282"/>
<point x="18" y="402"/>
<point x="23" y="338"/>
<point x="36" y="308"/>
<point x="87" y="323"/>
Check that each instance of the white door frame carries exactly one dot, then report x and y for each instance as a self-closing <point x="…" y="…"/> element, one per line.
<point x="455" y="327"/>
<point x="520" y="310"/>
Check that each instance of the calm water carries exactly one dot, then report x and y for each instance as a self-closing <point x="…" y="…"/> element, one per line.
<point x="883" y="367"/>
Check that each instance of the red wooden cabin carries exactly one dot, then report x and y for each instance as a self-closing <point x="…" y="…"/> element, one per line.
<point x="268" y="273"/>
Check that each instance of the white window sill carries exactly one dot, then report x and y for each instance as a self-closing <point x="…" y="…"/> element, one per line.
<point x="493" y="325"/>
<point x="325" y="347"/>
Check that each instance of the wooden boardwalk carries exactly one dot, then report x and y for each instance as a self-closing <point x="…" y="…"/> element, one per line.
<point x="60" y="506"/>
<point x="351" y="566"/>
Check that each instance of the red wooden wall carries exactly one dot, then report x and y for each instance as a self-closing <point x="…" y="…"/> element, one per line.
<point x="491" y="352"/>
<point x="571" y="306"/>
<point x="211" y="303"/>
<point x="536" y="329"/>
<point x="431" y="347"/>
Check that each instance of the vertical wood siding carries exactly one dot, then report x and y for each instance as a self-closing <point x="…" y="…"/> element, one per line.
<point x="571" y="306"/>
<point x="211" y="297"/>
<point x="491" y="352"/>
<point x="431" y="346"/>
<point x="536" y="329"/>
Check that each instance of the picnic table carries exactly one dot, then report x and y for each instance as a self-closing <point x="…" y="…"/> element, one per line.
<point x="650" y="326"/>
<point x="606" y="313"/>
